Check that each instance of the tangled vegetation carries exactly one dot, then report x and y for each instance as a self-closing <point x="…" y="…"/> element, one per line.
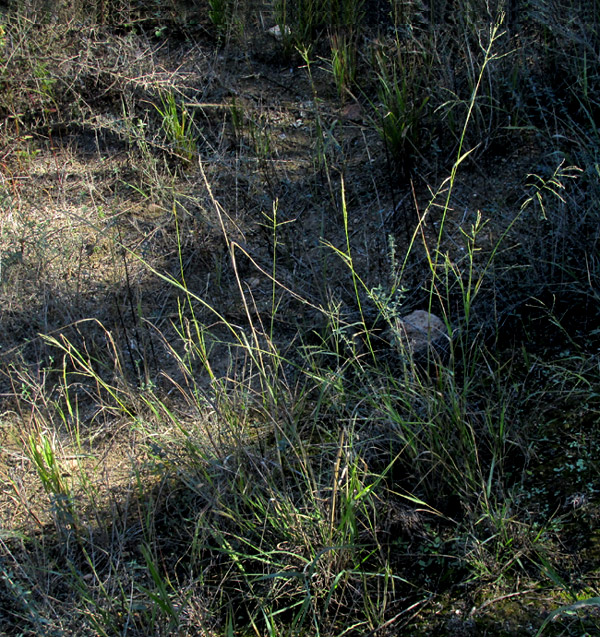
<point x="215" y="218"/>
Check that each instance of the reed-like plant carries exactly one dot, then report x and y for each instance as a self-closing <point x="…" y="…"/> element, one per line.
<point x="401" y="107"/>
<point x="178" y="126"/>
<point x="301" y="22"/>
<point x="343" y="62"/>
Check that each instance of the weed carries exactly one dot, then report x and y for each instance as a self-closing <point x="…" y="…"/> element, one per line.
<point x="403" y="99"/>
<point x="178" y="126"/>
<point x="223" y="15"/>
<point x="343" y="62"/>
<point x="237" y="118"/>
<point x="51" y="474"/>
<point x="307" y="18"/>
<point x="569" y="612"/>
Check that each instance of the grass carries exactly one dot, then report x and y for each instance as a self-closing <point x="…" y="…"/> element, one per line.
<point x="214" y="420"/>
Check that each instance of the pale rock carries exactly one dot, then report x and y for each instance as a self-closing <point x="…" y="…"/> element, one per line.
<point x="419" y="331"/>
<point x="277" y="33"/>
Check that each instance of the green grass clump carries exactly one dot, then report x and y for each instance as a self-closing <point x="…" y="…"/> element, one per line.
<point x="307" y="19"/>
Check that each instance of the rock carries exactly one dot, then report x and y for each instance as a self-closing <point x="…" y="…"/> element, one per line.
<point x="277" y="33"/>
<point x="352" y="112"/>
<point x="418" y="332"/>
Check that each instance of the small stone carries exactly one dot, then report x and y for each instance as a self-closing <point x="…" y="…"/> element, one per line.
<point x="419" y="331"/>
<point x="277" y="33"/>
<point x="352" y="112"/>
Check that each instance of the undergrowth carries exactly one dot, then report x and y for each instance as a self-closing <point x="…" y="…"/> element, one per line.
<point x="220" y="416"/>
